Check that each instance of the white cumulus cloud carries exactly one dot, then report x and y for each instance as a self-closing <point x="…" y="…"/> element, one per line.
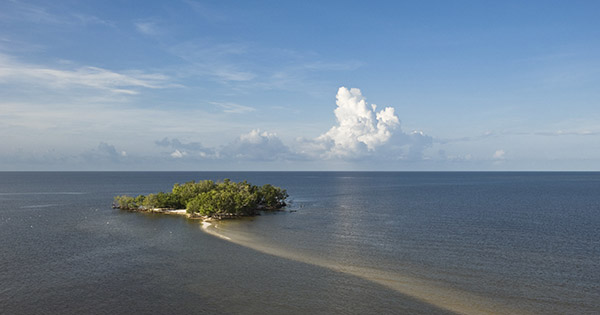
<point x="360" y="125"/>
<point x="178" y="154"/>
<point x="182" y="149"/>
<point x="499" y="155"/>
<point x="362" y="132"/>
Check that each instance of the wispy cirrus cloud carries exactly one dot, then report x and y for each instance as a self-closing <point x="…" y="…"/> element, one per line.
<point x="32" y="13"/>
<point x="9" y="43"/>
<point x="148" y="28"/>
<point x="20" y="10"/>
<point x="126" y="82"/>
<point x="217" y="60"/>
<point x="234" y="108"/>
<point x="497" y="134"/>
<point x="584" y="132"/>
<point x="86" y="19"/>
<point x="242" y="65"/>
<point x="207" y="12"/>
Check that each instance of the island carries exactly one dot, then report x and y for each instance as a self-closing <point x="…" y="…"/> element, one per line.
<point x="208" y="200"/>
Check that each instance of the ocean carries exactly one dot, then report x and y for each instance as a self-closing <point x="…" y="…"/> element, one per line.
<point x="348" y="243"/>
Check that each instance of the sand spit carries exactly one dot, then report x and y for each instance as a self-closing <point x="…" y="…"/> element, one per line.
<point x="454" y="300"/>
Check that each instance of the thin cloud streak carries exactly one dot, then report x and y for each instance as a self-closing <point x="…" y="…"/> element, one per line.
<point x="148" y="28"/>
<point x="234" y="108"/>
<point x="490" y="134"/>
<point x="12" y="71"/>
<point x="31" y="13"/>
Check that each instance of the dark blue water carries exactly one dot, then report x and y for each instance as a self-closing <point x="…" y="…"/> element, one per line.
<point x="352" y="243"/>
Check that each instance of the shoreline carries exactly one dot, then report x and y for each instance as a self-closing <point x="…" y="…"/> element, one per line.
<point x="184" y="213"/>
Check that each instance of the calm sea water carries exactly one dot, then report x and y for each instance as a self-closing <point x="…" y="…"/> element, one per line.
<point x="350" y="243"/>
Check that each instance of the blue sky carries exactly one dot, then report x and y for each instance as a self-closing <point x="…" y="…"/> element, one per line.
<point x="290" y="85"/>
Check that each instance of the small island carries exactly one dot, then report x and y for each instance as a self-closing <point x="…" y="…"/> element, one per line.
<point x="208" y="200"/>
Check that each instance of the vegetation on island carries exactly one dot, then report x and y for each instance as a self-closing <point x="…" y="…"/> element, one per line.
<point x="210" y="199"/>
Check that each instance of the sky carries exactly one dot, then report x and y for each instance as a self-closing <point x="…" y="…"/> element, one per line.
<point x="300" y="85"/>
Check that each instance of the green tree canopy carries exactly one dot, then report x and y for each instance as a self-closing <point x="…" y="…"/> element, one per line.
<point x="208" y="198"/>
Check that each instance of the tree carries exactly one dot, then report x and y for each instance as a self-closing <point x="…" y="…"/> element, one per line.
<point x="125" y="202"/>
<point x="210" y="199"/>
<point x="272" y="197"/>
<point x="162" y="200"/>
<point x="186" y="192"/>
